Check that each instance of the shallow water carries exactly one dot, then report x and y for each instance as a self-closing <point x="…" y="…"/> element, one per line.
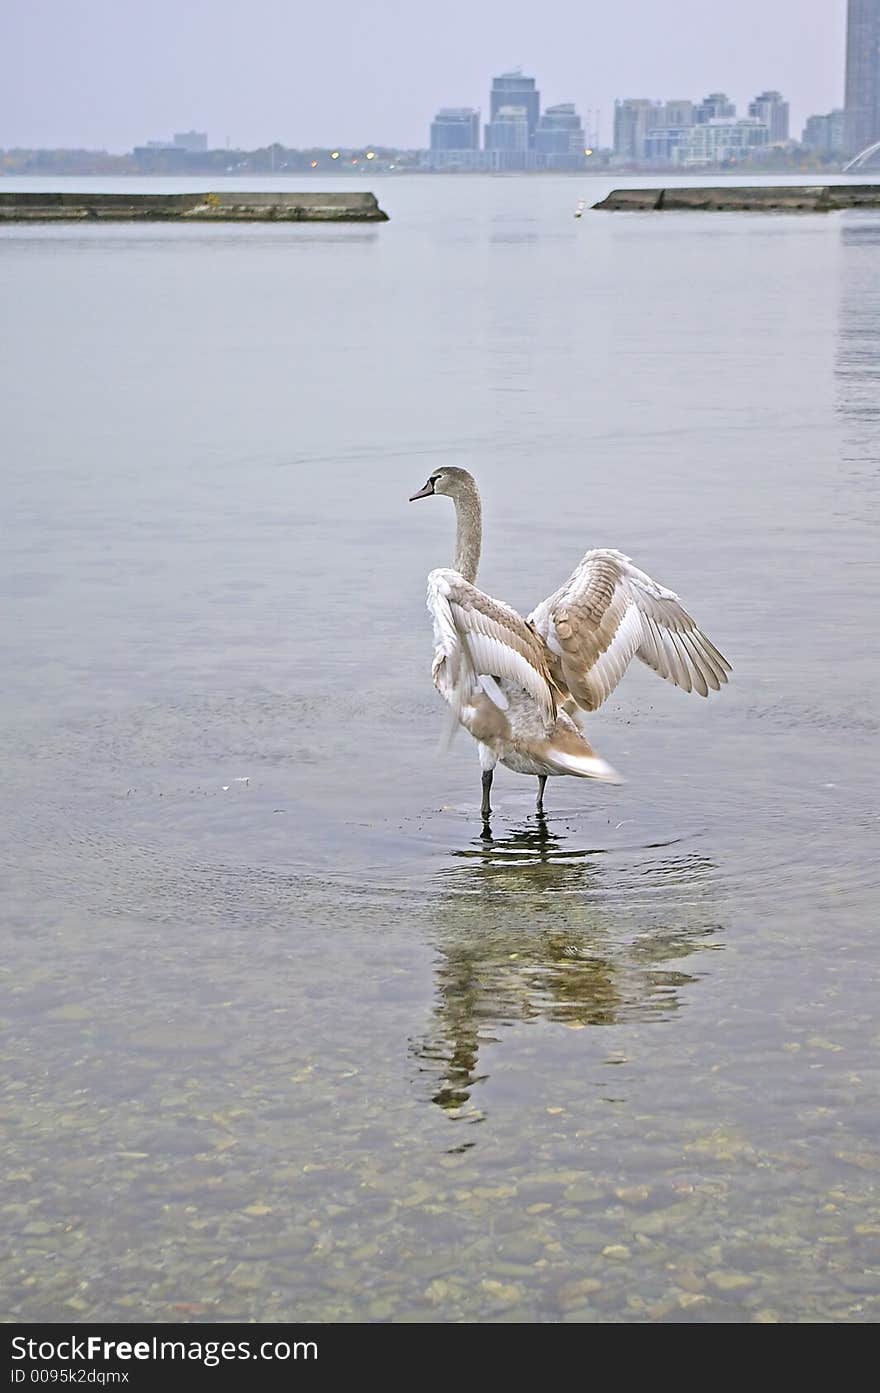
<point x="286" y="1036"/>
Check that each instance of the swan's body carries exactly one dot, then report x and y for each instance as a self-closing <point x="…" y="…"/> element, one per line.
<point x="515" y="683"/>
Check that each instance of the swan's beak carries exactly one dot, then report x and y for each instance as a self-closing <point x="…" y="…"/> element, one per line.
<point x="423" y="493"/>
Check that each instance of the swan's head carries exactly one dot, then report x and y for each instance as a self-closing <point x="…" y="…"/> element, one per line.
<point x="446" y="480"/>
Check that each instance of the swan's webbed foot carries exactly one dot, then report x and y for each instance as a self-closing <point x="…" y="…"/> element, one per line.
<point x="542" y="781"/>
<point x="485" y="806"/>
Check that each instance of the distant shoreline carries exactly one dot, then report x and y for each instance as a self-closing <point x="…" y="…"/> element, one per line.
<point x="818" y="176"/>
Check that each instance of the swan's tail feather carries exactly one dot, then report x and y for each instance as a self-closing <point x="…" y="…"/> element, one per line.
<point x="569" y="752"/>
<point x="584" y="766"/>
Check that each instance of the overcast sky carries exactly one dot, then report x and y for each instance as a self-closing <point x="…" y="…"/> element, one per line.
<point x="110" y="74"/>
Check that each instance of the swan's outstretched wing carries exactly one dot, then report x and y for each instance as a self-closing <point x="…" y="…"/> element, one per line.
<point x="478" y="639"/>
<point x="609" y="612"/>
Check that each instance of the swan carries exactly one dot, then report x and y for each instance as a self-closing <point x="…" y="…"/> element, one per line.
<point x="516" y="684"/>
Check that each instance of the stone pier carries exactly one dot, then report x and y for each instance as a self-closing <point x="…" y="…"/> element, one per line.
<point x="228" y="206"/>
<point x="732" y="198"/>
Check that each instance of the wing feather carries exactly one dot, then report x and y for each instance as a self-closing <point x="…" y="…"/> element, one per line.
<point x="609" y="612"/>
<point x="478" y="637"/>
<point x="695" y="665"/>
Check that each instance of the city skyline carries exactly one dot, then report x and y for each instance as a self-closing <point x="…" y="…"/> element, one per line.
<point x="688" y="133"/>
<point x="345" y="76"/>
<point x="518" y="136"/>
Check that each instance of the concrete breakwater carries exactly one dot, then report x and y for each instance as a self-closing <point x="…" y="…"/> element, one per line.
<point x="229" y="206"/>
<point x="781" y="198"/>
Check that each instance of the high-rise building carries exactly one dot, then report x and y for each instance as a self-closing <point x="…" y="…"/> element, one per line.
<point x="191" y="140"/>
<point x="862" y="104"/>
<point x="559" y="139"/>
<point x="507" y="139"/>
<point x="716" y="107"/>
<point x="514" y="90"/>
<point x="770" y="108"/>
<point x="678" y="113"/>
<point x="722" y="142"/>
<point x="663" y="140"/>
<point x="456" y="128"/>
<point x="633" y="118"/>
<point x="662" y="143"/>
<point x="825" y="134"/>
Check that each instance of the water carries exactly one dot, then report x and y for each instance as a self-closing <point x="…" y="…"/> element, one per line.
<point x="286" y="1037"/>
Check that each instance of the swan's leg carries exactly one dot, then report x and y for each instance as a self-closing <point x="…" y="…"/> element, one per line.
<point x="542" y="780"/>
<point x="485" y="806"/>
<point x="488" y="760"/>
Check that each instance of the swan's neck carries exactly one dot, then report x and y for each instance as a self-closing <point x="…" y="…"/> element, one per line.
<point x="468" y="533"/>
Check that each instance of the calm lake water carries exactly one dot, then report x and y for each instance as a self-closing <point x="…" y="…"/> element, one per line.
<point x="287" y="1038"/>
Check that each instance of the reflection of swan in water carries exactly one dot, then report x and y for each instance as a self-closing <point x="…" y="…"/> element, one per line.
<point x="511" y="953"/>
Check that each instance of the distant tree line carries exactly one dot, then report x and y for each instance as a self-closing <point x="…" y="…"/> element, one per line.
<point x="149" y="159"/>
<point x="280" y="159"/>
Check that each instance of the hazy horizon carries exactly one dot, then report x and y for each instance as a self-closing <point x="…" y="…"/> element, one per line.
<point x="100" y="74"/>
